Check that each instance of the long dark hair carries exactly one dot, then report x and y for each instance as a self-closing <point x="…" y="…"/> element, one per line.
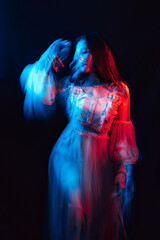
<point x="103" y="61"/>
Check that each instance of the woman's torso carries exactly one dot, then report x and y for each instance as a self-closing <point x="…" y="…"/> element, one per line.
<point x="93" y="106"/>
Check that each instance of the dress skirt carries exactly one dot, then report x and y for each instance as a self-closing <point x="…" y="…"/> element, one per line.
<point x="80" y="176"/>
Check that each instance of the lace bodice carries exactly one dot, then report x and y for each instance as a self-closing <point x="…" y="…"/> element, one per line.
<point x="95" y="106"/>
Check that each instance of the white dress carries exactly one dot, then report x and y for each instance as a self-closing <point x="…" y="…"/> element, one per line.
<point x="84" y="162"/>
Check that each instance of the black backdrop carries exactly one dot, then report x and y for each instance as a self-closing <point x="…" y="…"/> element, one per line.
<point x="27" y="28"/>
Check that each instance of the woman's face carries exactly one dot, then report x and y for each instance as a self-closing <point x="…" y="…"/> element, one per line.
<point x="82" y="60"/>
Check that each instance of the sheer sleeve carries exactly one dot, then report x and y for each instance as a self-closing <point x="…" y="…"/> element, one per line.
<point x="123" y="148"/>
<point x="39" y="81"/>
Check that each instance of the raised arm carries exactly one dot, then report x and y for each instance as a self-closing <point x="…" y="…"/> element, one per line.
<point x="39" y="80"/>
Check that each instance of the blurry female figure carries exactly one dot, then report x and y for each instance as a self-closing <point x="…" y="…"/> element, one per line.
<point x="88" y="165"/>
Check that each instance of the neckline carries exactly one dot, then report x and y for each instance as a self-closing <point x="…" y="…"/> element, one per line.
<point x="96" y="85"/>
<point x="91" y="81"/>
<point x="93" y="85"/>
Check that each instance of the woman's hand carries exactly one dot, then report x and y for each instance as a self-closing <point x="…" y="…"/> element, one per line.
<point x="119" y="184"/>
<point x="56" y="54"/>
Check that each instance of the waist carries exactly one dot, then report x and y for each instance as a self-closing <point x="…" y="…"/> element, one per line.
<point x="87" y="129"/>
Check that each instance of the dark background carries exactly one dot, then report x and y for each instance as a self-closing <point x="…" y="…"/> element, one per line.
<point x="27" y="28"/>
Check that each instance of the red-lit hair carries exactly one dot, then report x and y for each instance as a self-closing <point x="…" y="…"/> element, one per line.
<point x="103" y="61"/>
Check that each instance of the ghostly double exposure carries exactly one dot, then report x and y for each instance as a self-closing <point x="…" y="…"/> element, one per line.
<point x="38" y="80"/>
<point x="90" y="183"/>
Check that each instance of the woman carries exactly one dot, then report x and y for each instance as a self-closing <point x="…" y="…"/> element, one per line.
<point x="88" y="165"/>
